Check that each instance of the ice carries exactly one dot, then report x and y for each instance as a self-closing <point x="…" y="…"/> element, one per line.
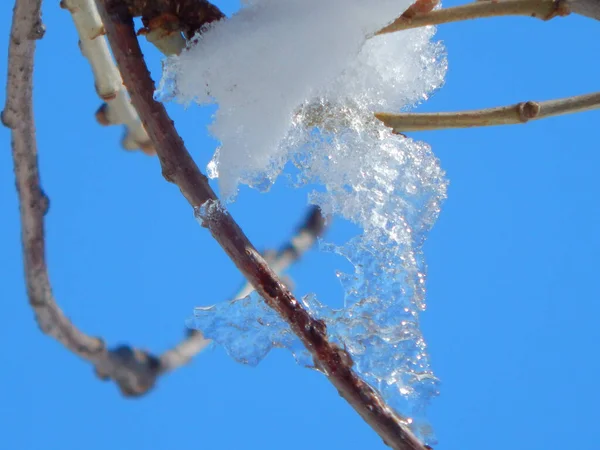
<point x="297" y="82"/>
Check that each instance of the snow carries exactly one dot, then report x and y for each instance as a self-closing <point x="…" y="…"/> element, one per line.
<point x="297" y="82"/>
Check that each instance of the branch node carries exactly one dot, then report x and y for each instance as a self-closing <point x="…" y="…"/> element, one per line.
<point x="44" y="204"/>
<point x="101" y="116"/>
<point x="147" y="147"/>
<point x="561" y="9"/>
<point x="168" y="174"/>
<point x="7" y="119"/>
<point x="37" y="30"/>
<point x="528" y="110"/>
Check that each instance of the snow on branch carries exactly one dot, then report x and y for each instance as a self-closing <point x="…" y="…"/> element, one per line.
<point x="505" y="115"/>
<point x="179" y="167"/>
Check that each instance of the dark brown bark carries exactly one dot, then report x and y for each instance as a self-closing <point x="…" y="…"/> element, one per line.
<point x="179" y="168"/>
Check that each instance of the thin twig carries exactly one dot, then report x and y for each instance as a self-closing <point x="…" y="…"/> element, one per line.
<point x="507" y="115"/>
<point x="179" y="167"/>
<point x="542" y="9"/>
<point x="17" y="115"/>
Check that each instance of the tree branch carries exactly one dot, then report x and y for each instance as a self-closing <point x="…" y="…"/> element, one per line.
<point x="507" y="115"/>
<point x="26" y="28"/>
<point x="542" y="9"/>
<point x="179" y="167"/>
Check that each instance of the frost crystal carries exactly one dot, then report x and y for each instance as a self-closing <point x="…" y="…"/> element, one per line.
<point x="298" y="81"/>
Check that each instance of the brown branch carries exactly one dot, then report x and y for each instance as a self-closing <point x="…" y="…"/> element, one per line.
<point x="179" y="167"/>
<point x="542" y="9"/>
<point x="506" y="115"/>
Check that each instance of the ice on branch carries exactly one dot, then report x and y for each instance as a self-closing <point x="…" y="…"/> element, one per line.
<point x="297" y="82"/>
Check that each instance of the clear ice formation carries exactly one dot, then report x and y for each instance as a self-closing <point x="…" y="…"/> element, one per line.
<point x="297" y="82"/>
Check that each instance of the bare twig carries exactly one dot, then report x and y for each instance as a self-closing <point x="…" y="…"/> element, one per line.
<point x="179" y="167"/>
<point x="507" y="115"/>
<point x="542" y="9"/>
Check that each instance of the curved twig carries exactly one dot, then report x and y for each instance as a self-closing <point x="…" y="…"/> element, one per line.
<point x="506" y="115"/>
<point x="588" y="8"/>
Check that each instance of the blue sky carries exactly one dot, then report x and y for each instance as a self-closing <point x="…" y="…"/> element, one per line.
<point x="512" y="291"/>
